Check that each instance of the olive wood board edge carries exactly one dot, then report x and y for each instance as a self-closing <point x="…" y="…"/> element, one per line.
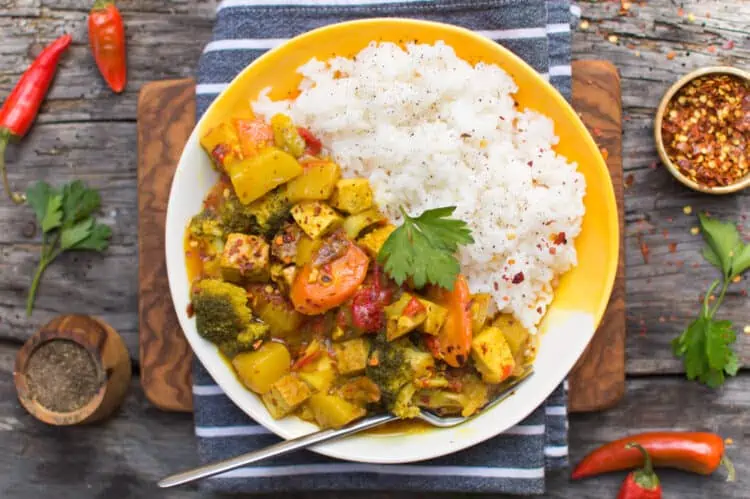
<point x="166" y="115"/>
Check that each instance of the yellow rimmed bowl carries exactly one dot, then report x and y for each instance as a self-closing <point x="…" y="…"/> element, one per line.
<point x="659" y="139"/>
<point x="582" y="294"/>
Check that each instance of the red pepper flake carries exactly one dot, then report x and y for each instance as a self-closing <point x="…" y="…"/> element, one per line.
<point x="518" y="278"/>
<point x="597" y="132"/>
<point x="629" y="179"/>
<point x="680" y="12"/>
<point x="728" y="45"/>
<point x="670" y="219"/>
<point x="653" y="165"/>
<point x="645" y="251"/>
<point x="190" y="310"/>
<point x="414" y="307"/>
<point x="671" y="55"/>
<point x="672" y="247"/>
<point x="495" y="285"/>
<point x="560" y="238"/>
<point x="696" y="265"/>
<point x="711" y="49"/>
<point x="605" y="153"/>
<point x="743" y="292"/>
<point x="553" y="250"/>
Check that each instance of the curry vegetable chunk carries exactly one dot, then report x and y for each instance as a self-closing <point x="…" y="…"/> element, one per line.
<point x="285" y="395"/>
<point x="286" y="282"/>
<point x="316" y="219"/>
<point x="493" y="357"/>
<point x="255" y="176"/>
<point x="352" y="195"/>
<point x="245" y="259"/>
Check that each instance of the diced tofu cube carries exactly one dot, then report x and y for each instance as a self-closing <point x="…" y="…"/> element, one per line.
<point x="317" y="182"/>
<point x="403" y="316"/>
<point x="351" y="355"/>
<point x="315" y="218"/>
<point x="435" y="319"/>
<point x="223" y="145"/>
<point x="245" y="259"/>
<point x="373" y="241"/>
<point x="480" y="305"/>
<point x="284" y="243"/>
<point x="492" y="355"/>
<point x="255" y="176"/>
<point x="352" y="195"/>
<point x="285" y="396"/>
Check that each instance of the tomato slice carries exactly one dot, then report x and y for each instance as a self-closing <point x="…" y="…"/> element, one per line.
<point x="317" y="290"/>
<point x="453" y="342"/>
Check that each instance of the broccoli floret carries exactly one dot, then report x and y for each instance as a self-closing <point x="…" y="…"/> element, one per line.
<point x="245" y="340"/>
<point x="206" y="225"/>
<point x="394" y="367"/>
<point x="222" y="315"/>
<point x="262" y="217"/>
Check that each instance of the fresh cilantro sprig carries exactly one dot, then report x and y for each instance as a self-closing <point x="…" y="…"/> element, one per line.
<point x="706" y="344"/>
<point x="423" y="248"/>
<point x="66" y="217"/>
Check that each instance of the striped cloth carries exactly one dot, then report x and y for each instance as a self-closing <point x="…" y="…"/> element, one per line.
<point x="514" y="462"/>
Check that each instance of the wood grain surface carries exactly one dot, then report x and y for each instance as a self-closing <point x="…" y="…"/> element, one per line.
<point x="166" y="115"/>
<point x="598" y="380"/>
<point x="86" y="132"/>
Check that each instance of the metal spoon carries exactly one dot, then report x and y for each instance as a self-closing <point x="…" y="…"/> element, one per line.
<point x="321" y="436"/>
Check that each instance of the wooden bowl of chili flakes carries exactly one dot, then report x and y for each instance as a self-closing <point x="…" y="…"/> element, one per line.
<point x="702" y="130"/>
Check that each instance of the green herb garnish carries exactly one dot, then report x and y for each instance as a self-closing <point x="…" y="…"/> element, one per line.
<point x="706" y="344"/>
<point x="423" y="248"/>
<point x="66" y="218"/>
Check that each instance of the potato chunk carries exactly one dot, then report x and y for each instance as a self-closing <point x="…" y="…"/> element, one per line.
<point x="245" y="259"/>
<point x="255" y="176"/>
<point x="315" y="218"/>
<point x="316" y="183"/>
<point x="319" y="374"/>
<point x="333" y="412"/>
<point x="223" y="145"/>
<point x="492" y="355"/>
<point x="285" y="396"/>
<point x="260" y="369"/>
<point x="352" y="195"/>
<point x="351" y="355"/>
<point x="373" y="241"/>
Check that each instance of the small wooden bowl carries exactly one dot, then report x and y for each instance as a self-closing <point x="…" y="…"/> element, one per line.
<point x="673" y="169"/>
<point x="107" y="350"/>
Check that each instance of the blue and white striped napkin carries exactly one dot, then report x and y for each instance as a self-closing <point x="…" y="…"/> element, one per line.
<point x="515" y="462"/>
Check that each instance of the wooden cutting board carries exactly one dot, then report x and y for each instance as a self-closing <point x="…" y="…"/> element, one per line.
<point x="166" y="115"/>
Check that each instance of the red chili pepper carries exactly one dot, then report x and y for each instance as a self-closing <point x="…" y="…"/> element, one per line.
<point x="22" y="105"/>
<point x="313" y="144"/>
<point x="642" y="483"/>
<point x="107" y="39"/>
<point x="690" y="451"/>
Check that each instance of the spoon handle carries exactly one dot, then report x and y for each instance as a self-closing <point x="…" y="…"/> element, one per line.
<point x="278" y="449"/>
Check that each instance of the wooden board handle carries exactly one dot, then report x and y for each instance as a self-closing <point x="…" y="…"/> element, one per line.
<point x="166" y="116"/>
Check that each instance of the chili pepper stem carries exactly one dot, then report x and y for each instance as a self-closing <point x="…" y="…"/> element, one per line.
<point x="731" y="473"/>
<point x="101" y="4"/>
<point x="16" y="197"/>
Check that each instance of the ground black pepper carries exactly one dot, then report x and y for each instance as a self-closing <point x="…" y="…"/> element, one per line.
<point x="62" y="376"/>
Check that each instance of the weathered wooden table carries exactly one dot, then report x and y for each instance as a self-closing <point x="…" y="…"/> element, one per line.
<point x="87" y="132"/>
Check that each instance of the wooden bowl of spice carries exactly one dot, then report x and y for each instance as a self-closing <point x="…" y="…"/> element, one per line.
<point x="702" y="130"/>
<point x="74" y="370"/>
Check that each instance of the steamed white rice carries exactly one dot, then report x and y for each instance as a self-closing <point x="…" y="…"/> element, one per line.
<point x="430" y="130"/>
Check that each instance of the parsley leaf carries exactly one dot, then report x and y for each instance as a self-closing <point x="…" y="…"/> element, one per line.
<point x="723" y="238"/>
<point x="66" y="217"/>
<point x="705" y="346"/>
<point x="423" y="248"/>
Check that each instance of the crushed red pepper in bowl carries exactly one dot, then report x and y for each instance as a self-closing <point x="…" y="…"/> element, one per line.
<point x="702" y="130"/>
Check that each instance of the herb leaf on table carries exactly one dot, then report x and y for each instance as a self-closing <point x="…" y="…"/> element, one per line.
<point x="67" y="222"/>
<point x="423" y="248"/>
<point x="706" y="344"/>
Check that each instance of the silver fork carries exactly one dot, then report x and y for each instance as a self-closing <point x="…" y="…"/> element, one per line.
<point x="321" y="436"/>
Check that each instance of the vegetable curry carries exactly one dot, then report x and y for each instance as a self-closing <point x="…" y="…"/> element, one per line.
<point x="286" y="283"/>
